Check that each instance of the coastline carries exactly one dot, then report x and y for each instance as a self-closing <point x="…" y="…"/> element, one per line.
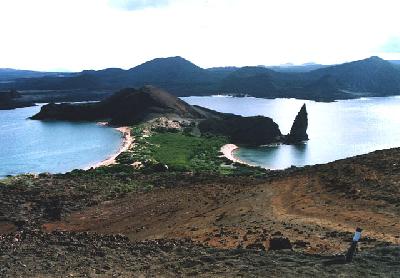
<point x="126" y="143"/>
<point x="228" y="150"/>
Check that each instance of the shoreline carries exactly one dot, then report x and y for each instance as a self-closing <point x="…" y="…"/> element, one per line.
<point x="228" y="150"/>
<point x="127" y="141"/>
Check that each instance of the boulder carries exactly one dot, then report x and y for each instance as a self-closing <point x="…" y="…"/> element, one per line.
<point x="279" y="243"/>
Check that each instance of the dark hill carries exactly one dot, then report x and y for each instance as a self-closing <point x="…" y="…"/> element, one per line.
<point x="223" y="70"/>
<point x="297" y="68"/>
<point x="373" y="75"/>
<point x="146" y="103"/>
<point x="326" y="88"/>
<point x="85" y="80"/>
<point x="174" y="74"/>
<point x="266" y="83"/>
<point x="12" y="99"/>
<point x="396" y="64"/>
<point x="172" y="69"/>
<point x="255" y="81"/>
<point x="128" y="106"/>
<point x="7" y="74"/>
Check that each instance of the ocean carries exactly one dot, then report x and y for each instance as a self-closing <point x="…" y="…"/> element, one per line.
<point x="336" y="130"/>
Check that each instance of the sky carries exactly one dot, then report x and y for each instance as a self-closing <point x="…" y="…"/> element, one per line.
<point x="73" y="35"/>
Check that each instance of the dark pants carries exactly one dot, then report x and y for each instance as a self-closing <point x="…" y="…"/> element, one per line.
<point x="351" y="251"/>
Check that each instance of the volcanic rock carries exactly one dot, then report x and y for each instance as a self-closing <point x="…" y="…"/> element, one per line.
<point x="298" y="132"/>
<point x="279" y="243"/>
<point x="253" y="131"/>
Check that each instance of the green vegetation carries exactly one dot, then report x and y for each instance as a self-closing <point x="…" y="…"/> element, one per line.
<point x="180" y="151"/>
<point x="175" y="151"/>
<point x="185" y="153"/>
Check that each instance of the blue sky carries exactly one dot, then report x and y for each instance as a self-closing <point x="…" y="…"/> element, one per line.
<point x="95" y="34"/>
<point x="392" y="45"/>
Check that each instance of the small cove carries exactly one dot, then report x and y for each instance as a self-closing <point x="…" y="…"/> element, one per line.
<point x="28" y="146"/>
<point x="337" y="130"/>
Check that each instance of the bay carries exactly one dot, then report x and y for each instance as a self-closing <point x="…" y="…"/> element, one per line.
<point x="29" y="146"/>
<point x="336" y="130"/>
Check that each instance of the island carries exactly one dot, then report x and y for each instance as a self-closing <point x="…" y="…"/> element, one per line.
<point x="135" y="106"/>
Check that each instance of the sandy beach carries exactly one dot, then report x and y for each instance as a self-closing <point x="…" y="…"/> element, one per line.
<point x="228" y="150"/>
<point x="126" y="143"/>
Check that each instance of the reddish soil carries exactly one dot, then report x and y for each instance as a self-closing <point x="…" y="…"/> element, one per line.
<point x="317" y="208"/>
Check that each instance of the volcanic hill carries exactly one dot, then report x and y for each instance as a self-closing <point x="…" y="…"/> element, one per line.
<point x="128" y="106"/>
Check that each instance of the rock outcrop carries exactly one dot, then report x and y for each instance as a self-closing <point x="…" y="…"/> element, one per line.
<point x="254" y="131"/>
<point x="298" y="132"/>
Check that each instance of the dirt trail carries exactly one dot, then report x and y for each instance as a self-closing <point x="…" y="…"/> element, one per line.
<point x="297" y="205"/>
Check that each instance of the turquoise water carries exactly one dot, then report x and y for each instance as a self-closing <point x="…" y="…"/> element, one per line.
<point x="336" y="130"/>
<point x="28" y="146"/>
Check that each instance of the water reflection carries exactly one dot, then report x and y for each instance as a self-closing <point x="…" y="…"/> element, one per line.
<point x="299" y="153"/>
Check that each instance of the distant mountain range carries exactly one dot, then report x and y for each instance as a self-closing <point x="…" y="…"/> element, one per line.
<point x="12" y="74"/>
<point x="395" y="63"/>
<point x="297" y="68"/>
<point x="369" y="77"/>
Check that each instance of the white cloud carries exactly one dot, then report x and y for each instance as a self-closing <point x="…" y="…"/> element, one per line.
<point x="76" y="34"/>
<point x="131" y="5"/>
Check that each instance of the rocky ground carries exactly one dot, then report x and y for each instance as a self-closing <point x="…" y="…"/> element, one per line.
<point x="65" y="254"/>
<point x="185" y="224"/>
